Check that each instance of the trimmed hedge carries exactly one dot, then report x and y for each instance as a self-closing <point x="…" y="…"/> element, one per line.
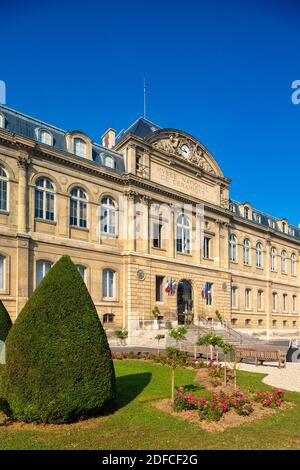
<point x="5" y="322"/>
<point x="58" y="362"/>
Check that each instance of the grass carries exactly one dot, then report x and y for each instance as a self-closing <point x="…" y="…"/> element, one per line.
<point x="137" y="425"/>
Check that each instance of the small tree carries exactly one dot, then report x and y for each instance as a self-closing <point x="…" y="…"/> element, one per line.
<point x="178" y="334"/>
<point x="5" y="322"/>
<point x="219" y="316"/>
<point x="158" y="339"/>
<point x="122" y="335"/>
<point x="217" y="341"/>
<point x="155" y="312"/>
<point x="172" y="360"/>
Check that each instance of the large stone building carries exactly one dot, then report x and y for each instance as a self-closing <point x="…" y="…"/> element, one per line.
<point x="146" y="208"/>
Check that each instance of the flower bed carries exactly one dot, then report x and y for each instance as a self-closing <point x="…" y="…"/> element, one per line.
<point x="214" y="407"/>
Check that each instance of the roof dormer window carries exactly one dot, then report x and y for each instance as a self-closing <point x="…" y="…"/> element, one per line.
<point x="45" y="137"/>
<point x="79" y="148"/>
<point x="2" y="121"/>
<point x="109" y="161"/>
<point x="246" y="212"/>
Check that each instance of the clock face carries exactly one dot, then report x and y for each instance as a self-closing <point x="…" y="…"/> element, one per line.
<point x="185" y="151"/>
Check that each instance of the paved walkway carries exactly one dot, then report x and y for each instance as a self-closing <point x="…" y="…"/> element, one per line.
<point x="287" y="378"/>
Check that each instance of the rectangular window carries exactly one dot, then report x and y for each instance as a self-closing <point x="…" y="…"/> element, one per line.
<point x="260" y="300"/>
<point x="159" y="280"/>
<point x="138" y="162"/>
<point x="157" y="234"/>
<point x="248" y="299"/>
<point x="206" y="247"/>
<point x="108" y="284"/>
<point x="234" y="297"/>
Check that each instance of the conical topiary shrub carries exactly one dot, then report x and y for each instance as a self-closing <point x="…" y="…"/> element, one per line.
<point x="58" y="365"/>
<point x="5" y="322"/>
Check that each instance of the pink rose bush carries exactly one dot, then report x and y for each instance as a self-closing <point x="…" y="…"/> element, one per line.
<point x="272" y="399"/>
<point x="214" y="407"/>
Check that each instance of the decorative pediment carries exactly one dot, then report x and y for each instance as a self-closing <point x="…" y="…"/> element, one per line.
<point x="186" y="148"/>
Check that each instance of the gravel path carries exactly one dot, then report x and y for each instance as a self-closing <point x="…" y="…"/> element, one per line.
<point x="288" y="378"/>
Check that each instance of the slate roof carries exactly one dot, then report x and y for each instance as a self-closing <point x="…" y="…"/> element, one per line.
<point x="26" y="126"/>
<point x="265" y="219"/>
<point x="140" y="128"/>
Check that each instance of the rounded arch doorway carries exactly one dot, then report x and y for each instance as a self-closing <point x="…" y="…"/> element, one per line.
<point x="185" y="304"/>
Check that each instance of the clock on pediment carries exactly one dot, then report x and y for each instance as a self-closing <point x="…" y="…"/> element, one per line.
<point x="185" y="151"/>
<point x="185" y="147"/>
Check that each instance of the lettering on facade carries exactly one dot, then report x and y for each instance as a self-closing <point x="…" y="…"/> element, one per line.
<point x="184" y="184"/>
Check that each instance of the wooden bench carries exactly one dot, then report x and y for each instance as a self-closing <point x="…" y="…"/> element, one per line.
<point x="207" y="351"/>
<point x="260" y="355"/>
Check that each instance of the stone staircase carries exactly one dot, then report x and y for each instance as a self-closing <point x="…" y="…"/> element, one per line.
<point x="146" y="338"/>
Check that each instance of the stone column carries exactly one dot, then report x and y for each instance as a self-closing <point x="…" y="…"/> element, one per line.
<point x="23" y="163"/>
<point x="146" y="201"/>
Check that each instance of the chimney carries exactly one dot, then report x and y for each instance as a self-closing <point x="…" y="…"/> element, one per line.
<point x="109" y="138"/>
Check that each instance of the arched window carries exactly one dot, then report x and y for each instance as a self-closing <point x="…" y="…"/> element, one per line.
<point x="2" y="121"/>
<point x="108" y="284"/>
<point x="293" y="264"/>
<point x="3" y="189"/>
<point x="45" y="137"/>
<point x="183" y="236"/>
<point x="259" y="255"/>
<point x="246" y="252"/>
<point x="273" y="259"/>
<point x="109" y="161"/>
<point x="79" y="148"/>
<point x="283" y="261"/>
<point x="232" y="248"/>
<point x="44" y="199"/>
<point x="42" y="267"/>
<point x="2" y="272"/>
<point x="108" y="216"/>
<point x="78" y="208"/>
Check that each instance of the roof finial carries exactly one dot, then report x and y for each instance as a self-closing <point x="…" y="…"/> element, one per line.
<point x="145" y="98"/>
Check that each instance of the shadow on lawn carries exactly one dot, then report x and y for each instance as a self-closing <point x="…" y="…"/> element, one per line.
<point x="130" y="386"/>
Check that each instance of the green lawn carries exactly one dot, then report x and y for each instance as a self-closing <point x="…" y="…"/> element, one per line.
<point x="137" y="425"/>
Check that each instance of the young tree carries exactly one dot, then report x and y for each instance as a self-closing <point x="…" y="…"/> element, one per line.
<point x="158" y="339"/>
<point x="178" y="334"/>
<point x="59" y="366"/>
<point x="217" y="341"/>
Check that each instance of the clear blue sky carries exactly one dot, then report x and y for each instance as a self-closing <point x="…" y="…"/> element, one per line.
<point x="220" y="70"/>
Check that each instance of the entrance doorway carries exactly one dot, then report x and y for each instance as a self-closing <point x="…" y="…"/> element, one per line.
<point x="185" y="307"/>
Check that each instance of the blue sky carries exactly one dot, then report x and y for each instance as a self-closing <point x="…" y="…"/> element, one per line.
<point x="220" y="70"/>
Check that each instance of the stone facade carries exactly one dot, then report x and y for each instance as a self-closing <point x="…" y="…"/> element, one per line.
<point x="165" y="173"/>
